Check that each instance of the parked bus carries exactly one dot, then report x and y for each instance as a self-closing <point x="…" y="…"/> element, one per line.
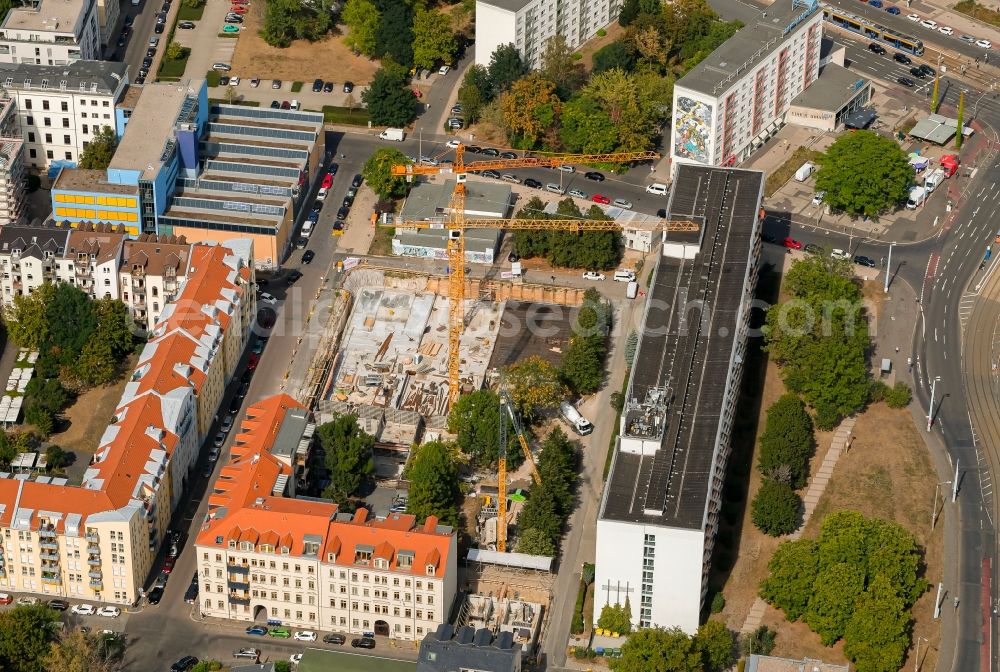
<point x="873" y="30"/>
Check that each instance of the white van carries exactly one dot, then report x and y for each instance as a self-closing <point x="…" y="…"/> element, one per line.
<point x="932" y="181"/>
<point x="307" y="228"/>
<point x="555" y="188"/>
<point x="295" y="104"/>
<point x="657" y="189"/>
<point x="624" y="275"/>
<point x="632" y="290"/>
<point x="917" y="197"/>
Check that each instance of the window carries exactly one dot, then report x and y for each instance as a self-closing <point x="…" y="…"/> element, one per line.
<point x="30" y="121"/>
<point x="48" y="137"/>
<point x="69" y="156"/>
<point x="66" y="140"/>
<point x="45" y="104"/>
<point x="85" y="129"/>
<point x="64" y="106"/>
<point x="46" y="121"/>
<point x="48" y="154"/>
<point x="65" y="123"/>
<point x="31" y="136"/>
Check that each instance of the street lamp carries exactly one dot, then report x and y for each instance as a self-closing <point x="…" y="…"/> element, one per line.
<point x="888" y="266"/>
<point x="934" y="510"/>
<point x="930" y="410"/>
<point x="916" y="655"/>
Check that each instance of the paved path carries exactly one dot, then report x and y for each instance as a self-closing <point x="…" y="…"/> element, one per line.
<point x="204" y="41"/>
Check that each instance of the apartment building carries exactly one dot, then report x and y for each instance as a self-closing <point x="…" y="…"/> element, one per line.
<point x="60" y="108"/>
<point x="150" y="274"/>
<point x="97" y="541"/>
<point x="732" y="102"/>
<point x="83" y="195"/>
<point x="12" y="175"/>
<point x="108" y="13"/>
<point x="90" y="260"/>
<point x="528" y="24"/>
<point x="28" y="257"/>
<point x="659" y="512"/>
<point x="263" y="554"/>
<point x="51" y="32"/>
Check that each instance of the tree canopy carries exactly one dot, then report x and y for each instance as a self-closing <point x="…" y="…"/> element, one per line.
<point x="787" y="442"/>
<point x="590" y="250"/>
<point x="560" y="68"/>
<point x="77" y="651"/>
<point x="475" y="419"/>
<point x="856" y="582"/>
<point x="434" y="487"/>
<point x="550" y="503"/>
<point x="363" y="20"/>
<point x="25" y="633"/>
<point x="775" y="508"/>
<point x="582" y="366"/>
<point x="662" y="650"/>
<point x="433" y="39"/>
<point x="376" y="172"/>
<point x="506" y="67"/>
<point x="288" y="20"/>
<point x="534" y="386"/>
<point x="349" y="456"/>
<point x="864" y="174"/>
<point x="616" y="617"/>
<point x="394" y="37"/>
<point x="390" y="102"/>
<point x="98" y="152"/>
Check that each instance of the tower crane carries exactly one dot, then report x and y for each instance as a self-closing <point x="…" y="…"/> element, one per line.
<point x="457" y="224"/>
<point x="507" y="408"/>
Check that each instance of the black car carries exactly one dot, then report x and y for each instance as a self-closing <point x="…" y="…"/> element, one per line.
<point x="901" y="58"/>
<point x="512" y="257"/>
<point x="317" y="206"/>
<point x="357" y="181"/>
<point x="662" y="213"/>
<point x="534" y="184"/>
<point x="877" y="48"/>
<point x="159" y="28"/>
<point x="917" y="72"/>
<point x="508" y="155"/>
<point x="165" y="8"/>
<point x="191" y="594"/>
<point x="342" y="214"/>
<point x="244" y="388"/>
<point x="332" y="170"/>
<point x="138" y="81"/>
<point x="184" y="664"/>
<point x="147" y="62"/>
<point x="224" y="81"/>
<point x="489" y="151"/>
<point x="475" y="149"/>
<point x="58" y="605"/>
<point x="905" y="81"/>
<point x="348" y="201"/>
<point x="926" y="69"/>
<point x="185" y="25"/>
<point x="307" y="258"/>
<point x="121" y="41"/>
<point x="595" y="176"/>
<point x="334" y="639"/>
<point x="155" y="595"/>
<point x="129" y="20"/>
<point x="363" y="643"/>
<point x="234" y="405"/>
<point x="328" y="87"/>
<point x="491" y="173"/>
<point x="348" y="87"/>
<point x="150" y="52"/>
<point x="317" y="85"/>
<point x="261" y="282"/>
<point x="862" y="260"/>
<point x="275" y="105"/>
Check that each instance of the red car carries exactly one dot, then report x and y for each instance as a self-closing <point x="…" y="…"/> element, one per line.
<point x="252" y="362"/>
<point x="792" y="244"/>
<point x="6" y="598"/>
<point x="416" y="92"/>
<point x="238" y="9"/>
<point x="327" y="181"/>
<point x="168" y="565"/>
<point x="600" y="198"/>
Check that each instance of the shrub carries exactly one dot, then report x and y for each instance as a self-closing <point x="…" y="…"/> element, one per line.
<point x="775" y="509"/>
<point x="718" y="603"/>
<point x="601" y="32"/>
<point x="296" y="87"/>
<point x="898" y="396"/>
<point x="212" y="78"/>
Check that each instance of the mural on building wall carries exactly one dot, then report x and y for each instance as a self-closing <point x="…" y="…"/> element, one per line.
<point x="692" y="129"/>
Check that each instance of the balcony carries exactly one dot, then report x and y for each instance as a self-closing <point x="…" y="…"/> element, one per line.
<point x="53" y="579"/>
<point x="94" y="575"/>
<point x="235" y="583"/>
<point x="138" y="272"/>
<point x="236" y="599"/>
<point x="49" y="555"/>
<point x="96" y="584"/>
<point x="47" y="532"/>
<point x="234" y="568"/>
<point x="92" y="537"/>
<point x="94" y="560"/>
<point x="49" y="545"/>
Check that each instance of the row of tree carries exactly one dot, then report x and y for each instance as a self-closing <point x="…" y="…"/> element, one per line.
<point x="591" y="250"/>
<point x="410" y="33"/>
<point x="543" y="517"/>
<point x="856" y="582"/>
<point x="786" y="446"/>
<point x="289" y="20"/>
<point x="709" y="650"/>
<point x="582" y="366"/>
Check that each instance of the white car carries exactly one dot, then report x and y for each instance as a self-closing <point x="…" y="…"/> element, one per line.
<point x="321" y="196"/>
<point x="566" y="169"/>
<point x="508" y="177"/>
<point x="593" y="275"/>
<point x="453" y="144"/>
<point x="305" y="636"/>
<point x="622" y="203"/>
<point x="27" y="601"/>
<point x="576" y="193"/>
<point x="913" y="17"/>
<point x="295" y="658"/>
<point x="83" y="609"/>
<point x="444" y="69"/>
<point x="838" y="253"/>
<point x="110" y="612"/>
<point x="818" y="197"/>
<point x="234" y="81"/>
<point x="985" y="44"/>
<point x="945" y="30"/>
<point x="267" y="298"/>
<point x="927" y="23"/>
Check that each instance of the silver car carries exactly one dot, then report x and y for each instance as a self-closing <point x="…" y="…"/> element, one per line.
<point x="622" y="203"/>
<point x="576" y="193"/>
<point x="555" y="188"/>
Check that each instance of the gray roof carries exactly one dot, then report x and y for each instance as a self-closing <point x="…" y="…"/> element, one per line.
<point x="476" y="240"/>
<point x="78" y="76"/>
<point x="937" y="129"/>
<point x="468" y="650"/>
<point x="750" y="45"/>
<point x="509" y="5"/>
<point x="835" y="88"/>
<point x="34" y="240"/>
<point x="293" y="426"/>
<point x="429" y="201"/>
<point x="151" y="126"/>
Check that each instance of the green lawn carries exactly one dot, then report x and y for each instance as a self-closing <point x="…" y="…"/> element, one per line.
<point x="343" y="115"/>
<point x="186" y="13"/>
<point x="173" y="69"/>
<point x="296" y="87"/>
<point x="320" y="660"/>
<point x="224" y="101"/>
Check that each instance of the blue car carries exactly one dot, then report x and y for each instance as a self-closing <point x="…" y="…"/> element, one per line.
<point x="258" y="630"/>
<point x="314" y="216"/>
<point x="877" y="4"/>
<point x="892" y="10"/>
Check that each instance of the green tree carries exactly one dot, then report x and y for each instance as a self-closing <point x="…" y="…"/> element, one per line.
<point x="472" y="99"/>
<point x="506" y="67"/>
<point x="934" y="96"/>
<point x="791" y="573"/>
<point x="349" y="455"/>
<point x="76" y="651"/>
<point x="775" y="508"/>
<point x="282" y="666"/>
<point x="716" y="643"/>
<point x="362" y="19"/>
<point x="585" y="128"/>
<point x="864" y="173"/>
<point x="899" y="395"/>
<point x="101" y="148"/>
<point x="175" y="51"/>
<point x="395" y="34"/>
<point x="530" y="107"/>
<point x="56" y="458"/>
<point x="615" y="55"/>
<point x="27" y="318"/>
<point x="616" y="617"/>
<point x="288" y="20"/>
<point x="557" y="465"/>
<point x="628" y="13"/>
<point x="589" y="249"/>
<point x="376" y="172"/>
<point x="636" y="119"/>
<point x="541" y="512"/>
<point x="534" y="386"/>
<point x="193" y="4"/>
<point x="48" y="394"/>
<point x="96" y="364"/>
<point x="40" y="419"/>
<point x="660" y="650"/>
<point x="114" y="325"/>
<point x="787" y="442"/>
<point x="7" y="450"/>
<point x="535" y="542"/>
<point x="433" y="39"/>
<point x="583" y="364"/>
<point x="960" y="116"/>
<point x="877" y="636"/>
<point x="434" y="487"/>
<point x="560" y="68"/>
<point x="835" y="591"/>
<point x="25" y="632"/>
<point x="72" y="322"/>
<point x="389" y="101"/>
<point x="760" y="641"/>
<point x="475" y="420"/>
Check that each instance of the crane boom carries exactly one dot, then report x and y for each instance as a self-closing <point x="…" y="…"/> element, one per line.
<point x="569" y="225"/>
<point x="524" y="162"/>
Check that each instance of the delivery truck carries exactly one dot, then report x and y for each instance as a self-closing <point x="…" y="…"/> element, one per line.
<point x="933" y="179"/>
<point x="579" y="423"/>
<point x="917" y="197"/>
<point x="394" y="134"/>
<point x="803" y="173"/>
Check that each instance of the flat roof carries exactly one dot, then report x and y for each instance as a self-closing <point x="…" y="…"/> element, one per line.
<point x="82" y="179"/>
<point x="507" y="5"/>
<point x="293" y="427"/>
<point x="750" y="45"/>
<point x="834" y="89"/>
<point x="321" y="660"/>
<point x="152" y="125"/>
<point x="51" y="15"/>
<point x="759" y="663"/>
<point x="684" y="356"/>
<point x="937" y="129"/>
<point x="429" y="200"/>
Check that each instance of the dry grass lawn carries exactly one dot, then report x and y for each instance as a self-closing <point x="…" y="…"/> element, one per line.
<point x="596" y="43"/>
<point x="301" y="62"/>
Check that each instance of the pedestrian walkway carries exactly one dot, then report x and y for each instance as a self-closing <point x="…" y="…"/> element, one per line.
<point x="840" y="444"/>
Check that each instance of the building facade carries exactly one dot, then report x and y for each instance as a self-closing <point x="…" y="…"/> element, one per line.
<point x="732" y="102"/>
<point x="80" y="195"/>
<point x="263" y="554"/>
<point x="97" y="541"/>
<point x="28" y="258"/>
<point x="150" y="274"/>
<point x="51" y="32"/>
<point x="91" y="258"/>
<point x="659" y="513"/>
<point x="12" y="173"/>
<point x="61" y="108"/>
<point x="528" y="24"/>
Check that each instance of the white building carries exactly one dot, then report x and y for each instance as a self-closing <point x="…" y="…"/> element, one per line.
<point x="732" y="102"/>
<point x="51" y="32"/>
<point x="91" y="258"/>
<point x="151" y="271"/>
<point x="528" y="24"/>
<point x="28" y="257"/>
<point x="12" y="177"/>
<point x="108" y="12"/>
<point x="61" y="108"/>
<point x="659" y="514"/>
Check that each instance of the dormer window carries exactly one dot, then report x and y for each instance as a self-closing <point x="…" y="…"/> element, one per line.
<point x="381" y="563"/>
<point x="246" y="546"/>
<point x="363" y="555"/>
<point x="266" y="548"/>
<point x="404" y="560"/>
<point x="232" y="543"/>
<point x="331" y="557"/>
<point x="430" y="570"/>
<point x="284" y="550"/>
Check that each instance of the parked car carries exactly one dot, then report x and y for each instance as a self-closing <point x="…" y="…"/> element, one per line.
<point x="508" y="155"/>
<point x="593" y="275"/>
<point x="186" y="25"/>
<point x="473" y="149"/>
<point x="491" y="173"/>
<point x="792" y="244"/>
<point x="600" y="198"/>
<point x="27" y="601"/>
<point x="490" y="151"/>
<point x="275" y="83"/>
<point x="622" y="203"/>
<point x="155" y="595"/>
<point x="58" y="605"/>
<point x="510" y="177"/>
<point x="280" y="633"/>
<point x="348" y="87"/>
<point x="554" y="188"/>
<point x="168" y="565"/>
<point x="926" y="69"/>
<point x="342" y="214"/>
<point x="533" y="183"/>
<point x="221" y="67"/>
<point x="334" y="639"/>
<point x="184" y="664"/>
<point x="363" y="643"/>
<point x="247" y="652"/>
<point x="305" y="636"/>
<point x="254" y="82"/>
<point x="893" y="10"/>
<point x="453" y="144"/>
<point x="838" y="253"/>
<point x="984" y="44"/>
<point x="357" y="181"/>
<point x="258" y="630"/>
<point x="6" y="598"/>
<point x="267" y="298"/>
<point x="576" y="193"/>
<point x="307" y="258"/>
<point x="328" y="87"/>
<point x="813" y="248"/>
<point x="109" y="612"/>
<point x="455" y="123"/>
<point x="917" y="72"/>
<point x="862" y="260"/>
<point x="594" y="175"/>
<point x="230" y="29"/>
<point x="83" y="609"/>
